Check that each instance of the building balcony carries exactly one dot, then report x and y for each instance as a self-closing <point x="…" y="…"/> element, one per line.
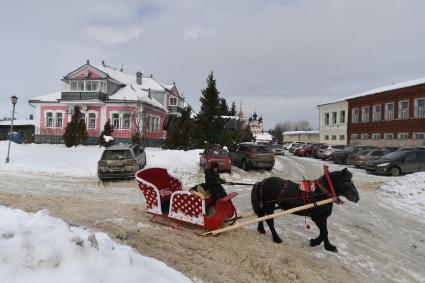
<point x="85" y="95"/>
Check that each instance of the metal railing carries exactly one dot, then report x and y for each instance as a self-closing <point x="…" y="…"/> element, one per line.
<point x="83" y="96"/>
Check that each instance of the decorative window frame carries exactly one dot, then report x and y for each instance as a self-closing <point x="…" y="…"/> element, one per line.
<point x="388" y="136"/>
<point x="417" y="134"/>
<point x="403" y="136"/>
<point x="327" y="118"/>
<point x="376" y="136"/>
<point x="355" y="115"/>
<point x="155" y="123"/>
<point x="376" y="116"/>
<point x="389" y="115"/>
<point x="365" y="118"/>
<point x="54" y="112"/>
<point x="405" y="114"/>
<point x="342" y="116"/>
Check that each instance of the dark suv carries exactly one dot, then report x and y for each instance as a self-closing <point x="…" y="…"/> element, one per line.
<point x="121" y="161"/>
<point x="251" y="155"/>
<point x="341" y="157"/>
<point x="398" y="162"/>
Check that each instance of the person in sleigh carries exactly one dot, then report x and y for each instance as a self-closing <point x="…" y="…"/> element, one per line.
<point x="213" y="182"/>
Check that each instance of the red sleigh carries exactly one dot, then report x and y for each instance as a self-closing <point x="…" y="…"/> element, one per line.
<point x="166" y="199"/>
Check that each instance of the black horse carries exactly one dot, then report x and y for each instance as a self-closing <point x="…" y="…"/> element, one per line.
<point x="286" y="194"/>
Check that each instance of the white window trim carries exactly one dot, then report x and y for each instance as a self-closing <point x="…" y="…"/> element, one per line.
<point x="111" y="113"/>
<point x="376" y="136"/>
<point x="418" y="133"/>
<point x="355" y="118"/>
<point x="386" y="117"/>
<point x="327" y="122"/>
<point x="374" y="113"/>
<point x="54" y="118"/>
<point x="342" y="117"/>
<point x="399" y="110"/>
<point x="122" y="121"/>
<point x="88" y="119"/>
<point x="156" y="128"/>
<point x="404" y="134"/>
<point x="417" y="109"/>
<point x="363" y="114"/>
<point x="336" y="117"/>
<point x="387" y="134"/>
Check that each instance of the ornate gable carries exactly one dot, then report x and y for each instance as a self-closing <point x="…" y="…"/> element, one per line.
<point x="86" y="71"/>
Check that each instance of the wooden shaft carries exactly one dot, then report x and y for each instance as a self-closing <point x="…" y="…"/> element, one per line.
<point x="292" y="210"/>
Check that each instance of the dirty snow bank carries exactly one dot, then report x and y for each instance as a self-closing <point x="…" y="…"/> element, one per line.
<point x="40" y="248"/>
<point x="407" y="193"/>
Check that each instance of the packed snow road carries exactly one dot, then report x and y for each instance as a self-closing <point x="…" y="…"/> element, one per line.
<point x="376" y="240"/>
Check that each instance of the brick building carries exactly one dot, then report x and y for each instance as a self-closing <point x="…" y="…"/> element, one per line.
<point x="393" y="115"/>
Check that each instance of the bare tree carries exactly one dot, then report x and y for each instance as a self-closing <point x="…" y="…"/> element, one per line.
<point x="139" y="117"/>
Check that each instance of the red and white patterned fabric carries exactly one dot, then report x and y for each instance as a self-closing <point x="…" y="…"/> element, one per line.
<point x="307" y="186"/>
<point x="152" y="196"/>
<point x="187" y="207"/>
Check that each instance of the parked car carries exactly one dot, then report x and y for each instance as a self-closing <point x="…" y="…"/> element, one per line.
<point x="251" y="155"/>
<point x="306" y="150"/>
<point x="277" y="149"/>
<point x="341" y="157"/>
<point x="288" y="147"/>
<point x="316" y="147"/>
<point x="398" y="162"/>
<point x="220" y="156"/>
<point x="121" y="161"/>
<point x="294" y="146"/>
<point x="326" y="152"/>
<point x="360" y="158"/>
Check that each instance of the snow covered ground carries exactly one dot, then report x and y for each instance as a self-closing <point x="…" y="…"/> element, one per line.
<point x="40" y="248"/>
<point x="82" y="160"/>
<point x="407" y="193"/>
<point x="386" y="215"/>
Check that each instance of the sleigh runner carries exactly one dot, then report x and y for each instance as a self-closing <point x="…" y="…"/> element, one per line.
<point x="166" y="199"/>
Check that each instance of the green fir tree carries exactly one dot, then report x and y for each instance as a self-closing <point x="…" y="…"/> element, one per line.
<point x="75" y="131"/>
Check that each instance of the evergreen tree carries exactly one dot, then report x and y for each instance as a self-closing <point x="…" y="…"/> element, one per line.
<point x="233" y="109"/>
<point x="75" y="131"/>
<point x="209" y="123"/>
<point x="180" y="136"/>
<point x="224" y="108"/>
<point x="107" y="131"/>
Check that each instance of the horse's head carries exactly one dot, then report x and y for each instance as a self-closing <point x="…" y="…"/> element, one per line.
<point x="342" y="181"/>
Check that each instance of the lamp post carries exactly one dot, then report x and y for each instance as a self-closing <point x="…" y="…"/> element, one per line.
<point x="14" y="99"/>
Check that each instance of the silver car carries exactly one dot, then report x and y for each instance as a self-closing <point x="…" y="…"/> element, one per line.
<point x="324" y="153"/>
<point x="121" y="161"/>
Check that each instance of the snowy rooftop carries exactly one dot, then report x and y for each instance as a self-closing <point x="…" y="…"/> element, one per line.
<point x="301" y="133"/>
<point x="381" y="89"/>
<point x="18" y="122"/>
<point x="131" y="91"/>
<point x="264" y="136"/>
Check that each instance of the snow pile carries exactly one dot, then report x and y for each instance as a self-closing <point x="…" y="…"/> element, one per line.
<point x="407" y="193"/>
<point x="51" y="158"/>
<point x="40" y="248"/>
<point x="82" y="160"/>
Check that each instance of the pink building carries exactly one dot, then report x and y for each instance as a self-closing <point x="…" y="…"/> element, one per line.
<point x="103" y="93"/>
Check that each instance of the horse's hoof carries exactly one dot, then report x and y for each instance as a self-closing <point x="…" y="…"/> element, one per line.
<point x="315" y="242"/>
<point x="277" y="240"/>
<point x="331" y="248"/>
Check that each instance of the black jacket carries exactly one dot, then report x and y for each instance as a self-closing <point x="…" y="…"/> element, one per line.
<point x="213" y="184"/>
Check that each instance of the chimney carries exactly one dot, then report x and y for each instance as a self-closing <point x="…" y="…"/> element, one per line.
<point x="88" y="61"/>
<point x="139" y="76"/>
<point x="151" y="76"/>
<point x="31" y="117"/>
<point x="103" y="63"/>
<point x="149" y="93"/>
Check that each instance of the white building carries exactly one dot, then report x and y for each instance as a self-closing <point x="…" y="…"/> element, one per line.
<point x="301" y="136"/>
<point x="333" y="122"/>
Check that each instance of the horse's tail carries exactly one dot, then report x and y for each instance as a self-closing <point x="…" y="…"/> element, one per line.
<point x="256" y="198"/>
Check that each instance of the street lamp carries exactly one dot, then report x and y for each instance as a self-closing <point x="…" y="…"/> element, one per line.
<point x="14" y="100"/>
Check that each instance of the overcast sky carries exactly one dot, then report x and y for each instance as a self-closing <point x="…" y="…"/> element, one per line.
<point x="281" y="58"/>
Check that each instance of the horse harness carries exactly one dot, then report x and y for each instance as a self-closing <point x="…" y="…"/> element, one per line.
<point x="306" y="195"/>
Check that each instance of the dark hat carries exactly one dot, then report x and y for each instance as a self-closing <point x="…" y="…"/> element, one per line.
<point x="214" y="165"/>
